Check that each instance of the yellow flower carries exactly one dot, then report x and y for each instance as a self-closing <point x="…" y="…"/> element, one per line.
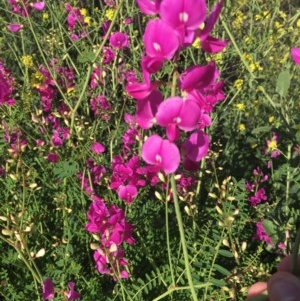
<point x="88" y="20"/>
<point x="37" y="79"/>
<point x="272" y="145"/>
<point x="271" y="119"/>
<point x="238" y="83"/>
<point x="240" y="106"/>
<point x="27" y="61"/>
<point x="242" y="127"/>
<point x="109" y="14"/>
<point x="83" y="12"/>
<point x="197" y="43"/>
<point x="45" y="16"/>
<point x="298" y="23"/>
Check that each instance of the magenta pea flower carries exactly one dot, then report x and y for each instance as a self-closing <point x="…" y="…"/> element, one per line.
<point x="149" y="7"/>
<point x="161" y="41"/>
<point x="119" y="40"/>
<point x="209" y="43"/>
<point x="161" y="153"/>
<point x="97" y="148"/>
<point x="147" y="109"/>
<point x="53" y="158"/>
<point x="295" y="52"/>
<point x="127" y="193"/>
<point x="71" y="294"/>
<point x="189" y="14"/>
<point x="38" y="5"/>
<point x="178" y="112"/>
<point x="48" y="289"/>
<point x="194" y="149"/>
<point x="198" y="77"/>
<point x="14" y="27"/>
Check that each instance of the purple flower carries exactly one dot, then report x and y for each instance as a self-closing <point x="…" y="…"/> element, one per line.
<point x="97" y="148"/>
<point x="38" y="5"/>
<point x="162" y="153"/>
<point x="48" y="289"/>
<point x="149" y="7"/>
<point x="71" y="294"/>
<point x="147" y="109"/>
<point x="295" y="53"/>
<point x="53" y="158"/>
<point x="176" y="111"/>
<point x="156" y="44"/>
<point x="14" y="27"/>
<point x="262" y="235"/>
<point x="194" y="149"/>
<point x="119" y="40"/>
<point x="259" y="196"/>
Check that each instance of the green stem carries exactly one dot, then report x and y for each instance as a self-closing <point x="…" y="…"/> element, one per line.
<point x="168" y="242"/>
<point x="182" y="238"/>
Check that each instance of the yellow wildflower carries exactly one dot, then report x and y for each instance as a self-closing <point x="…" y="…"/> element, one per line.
<point x="197" y="43"/>
<point x="27" y="61"/>
<point x="109" y="14"/>
<point x="83" y="12"/>
<point x="37" y="79"/>
<point x="298" y="23"/>
<point x="45" y="16"/>
<point x="272" y="145"/>
<point x="242" y="127"/>
<point x="88" y="20"/>
<point x="271" y="119"/>
<point x="238" y="83"/>
<point x="240" y="106"/>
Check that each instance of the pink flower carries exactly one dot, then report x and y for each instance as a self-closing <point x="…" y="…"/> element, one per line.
<point x="38" y="5"/>
<point x="295" y="52"/>
<point x="176" y="111"/>
<point x="71" y="294"/>
<point x="48" y="289"/>
<point x="262" y="235"/>
<point x="156" y="44"/>
<point x="259" y="196"/>
<point x="53" y="158"/>
<point x="149" y="7"/>
<point x="162" y="153"/>
<point x="147" y="108"/>
<point x="195" y="149"/>
<point x="97" y="148"/>
<point x="189" y="14"/>
<point x="119" y="40"/>
<point x="198" y="77"/>
<point x="127" y="193"/>
<point x="14" y="27"/>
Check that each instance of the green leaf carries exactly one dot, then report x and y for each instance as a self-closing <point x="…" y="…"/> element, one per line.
<point x="283" y="83"/>
<point x="65" y="169"/>
<point x="222" y="270"/>
<point x="86" y="57"/>
<point x="225" y="253"/>
<point x="271" y="230"/>
<point x="261" y="129"/>
<point x="217" y="282"/>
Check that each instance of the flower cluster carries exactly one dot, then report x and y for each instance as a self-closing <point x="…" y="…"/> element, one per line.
<point x="48" y="291"/>
<point x="182" y="22"/>
<point x="259" y="194"/>
<point x="23" y="8"/>
<point x="112" y="229"/>
<point x="7" y="86"/>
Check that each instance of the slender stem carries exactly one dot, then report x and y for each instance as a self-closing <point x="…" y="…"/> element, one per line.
<point x="168" y="241"/>
<point x="182" y="238"/>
